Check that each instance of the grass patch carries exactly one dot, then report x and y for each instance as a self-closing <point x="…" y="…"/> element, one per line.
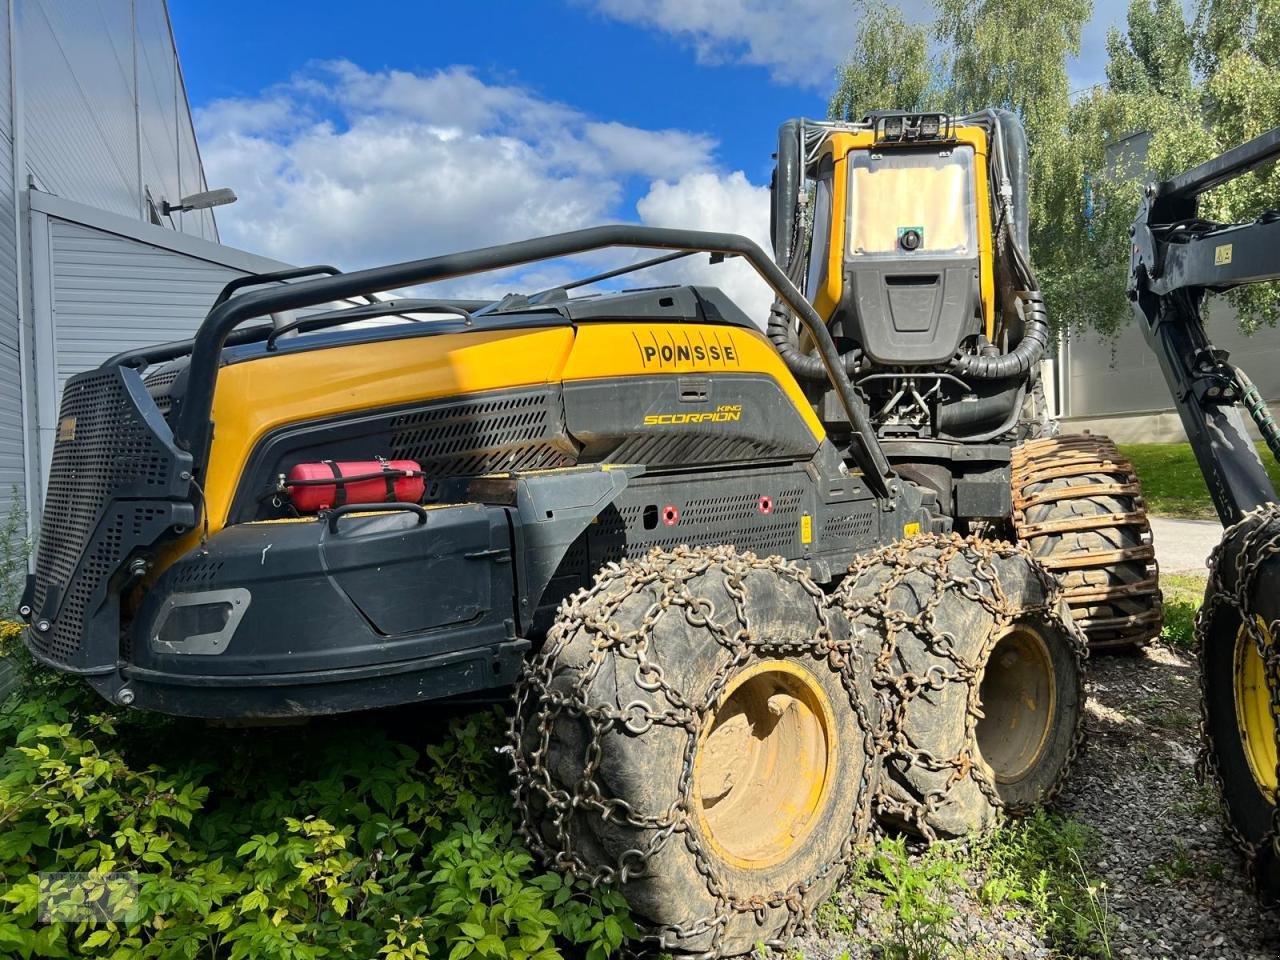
<point x="1039" y="862"/>
<point x="1172" y="482"/>
<point x="1034" y="868"/>
<point x="1182" y="596"/>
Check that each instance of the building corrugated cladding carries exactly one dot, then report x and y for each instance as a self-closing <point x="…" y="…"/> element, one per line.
<point x="114" y="293"/>
<point x="77" y="80"/>
<point x="12" y="473"/>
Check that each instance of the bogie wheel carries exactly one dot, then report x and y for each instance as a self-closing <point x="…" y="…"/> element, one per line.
<point x="695" y="730"/>
<point x="1240" y="677"/>
<point x="1078" y="506"/>
<point x="979" y="670"/>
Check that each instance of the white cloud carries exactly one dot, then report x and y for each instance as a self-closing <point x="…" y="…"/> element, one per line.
<point x="727" y="204"/>
<point x="800" y="42"/>
<point x="354" y="167"/>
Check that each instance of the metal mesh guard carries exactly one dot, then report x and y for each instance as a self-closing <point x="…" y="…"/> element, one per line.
<point x="103" y="447"/>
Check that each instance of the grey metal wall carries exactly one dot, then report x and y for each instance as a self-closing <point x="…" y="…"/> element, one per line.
<point x="112" y="293"/>
<point x="104" y="110"/>
<point x="93" y="110"/>
<point x="12" y="473"/>
<point x="1114" y="377"/>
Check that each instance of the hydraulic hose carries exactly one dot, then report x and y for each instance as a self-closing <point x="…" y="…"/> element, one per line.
<point x="997" y="404"/>
<point x="802" y="366"/>
<point x="1019" y="361"/>
<point x="1013" y="141"/>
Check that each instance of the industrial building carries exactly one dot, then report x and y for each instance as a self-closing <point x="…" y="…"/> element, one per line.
<point x="97" y="151"/>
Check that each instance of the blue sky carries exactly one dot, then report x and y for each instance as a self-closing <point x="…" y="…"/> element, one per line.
<point x="358" y="133"/>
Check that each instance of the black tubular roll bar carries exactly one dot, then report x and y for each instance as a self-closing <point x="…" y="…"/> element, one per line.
<point x="193" y="430"/>
<point x="1176" y="259"/>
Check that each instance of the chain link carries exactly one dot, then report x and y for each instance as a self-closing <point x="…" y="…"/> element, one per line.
<point x="1232" y="587"/>
<point x="933" y="557"/>
<point x="548" y="693"/>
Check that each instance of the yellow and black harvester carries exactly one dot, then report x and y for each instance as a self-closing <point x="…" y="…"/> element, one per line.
<point x="750" y="591"/>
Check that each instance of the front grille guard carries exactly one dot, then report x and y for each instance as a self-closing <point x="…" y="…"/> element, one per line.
<point x="118" y="485"/>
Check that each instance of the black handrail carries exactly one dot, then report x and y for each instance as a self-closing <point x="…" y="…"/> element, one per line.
<point x="371" y="311"/>
<point x="193" y="430"/>
<point x="276" y="276"/>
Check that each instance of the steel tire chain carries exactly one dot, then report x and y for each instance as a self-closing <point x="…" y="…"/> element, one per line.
<point x="1260" y="541"/>
<point x="591" y="609"/>
<point x="897" y="690"/>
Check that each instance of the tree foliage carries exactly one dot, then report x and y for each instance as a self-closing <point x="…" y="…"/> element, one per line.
<point x="890" y="67"/>
<point x="1180" y="88"/>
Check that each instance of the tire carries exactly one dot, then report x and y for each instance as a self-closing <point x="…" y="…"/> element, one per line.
<point x="1239" y="674"/>
<point x="695" y="730"/>
<point x="979" y="670"/>
<point x="1078" y="507"/>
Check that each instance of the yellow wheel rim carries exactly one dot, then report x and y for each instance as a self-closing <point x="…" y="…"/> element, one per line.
<point x="1019" y="695"/>
<point x="765" y="765"/>
<point x="1253" y="712"/>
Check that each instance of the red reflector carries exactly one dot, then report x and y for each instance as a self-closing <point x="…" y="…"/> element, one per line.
<point x="314" y="487"/>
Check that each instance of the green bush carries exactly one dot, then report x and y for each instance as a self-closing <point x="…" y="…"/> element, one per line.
<point x="388" y="835"/>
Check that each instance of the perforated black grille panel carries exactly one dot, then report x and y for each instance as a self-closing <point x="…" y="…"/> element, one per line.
<point x="517" y="432"/>
<point x="159" y="385"/>
<point x="102" y="447"/>
<point x="849" y="526"/>
<point x="741" y="519"/>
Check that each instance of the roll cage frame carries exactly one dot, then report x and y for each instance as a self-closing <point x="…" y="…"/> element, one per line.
<point x="313" y="286"/>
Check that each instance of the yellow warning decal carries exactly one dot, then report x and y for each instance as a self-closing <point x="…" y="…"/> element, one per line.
<point x="1222" y="255"/>
<point x="911" y="530"/>
<point x="806" y="528"/>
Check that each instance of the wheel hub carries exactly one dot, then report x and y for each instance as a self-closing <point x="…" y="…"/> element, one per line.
<point x="1018" y="694"/>
<point x="1253" y="711"/>
<point x="765" y="765"/>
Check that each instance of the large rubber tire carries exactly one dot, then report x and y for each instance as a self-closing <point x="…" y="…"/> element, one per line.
<point x="695" y="730"/>
<point x="1237" y="702"/>
<point x="979" y="669"/>
<point x="1078" y="507"/>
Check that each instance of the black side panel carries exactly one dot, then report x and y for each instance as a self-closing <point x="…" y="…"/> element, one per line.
<point x="686" y="420"/>
<point x="777" y="510"/>
<point x="369" y="589"/>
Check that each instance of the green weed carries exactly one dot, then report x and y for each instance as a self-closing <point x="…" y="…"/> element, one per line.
<point x="1038" y="863"/>
<point x="1182" y="596"/>
<point x="357" y="837"/>
<point x="914" y="896"/>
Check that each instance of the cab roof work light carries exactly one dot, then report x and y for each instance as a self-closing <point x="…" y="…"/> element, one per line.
<point x="912" y="127"/>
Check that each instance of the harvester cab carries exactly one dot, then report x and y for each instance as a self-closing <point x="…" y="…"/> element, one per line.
<point x="1178" y="260"/>
<point x="909" y="234"/>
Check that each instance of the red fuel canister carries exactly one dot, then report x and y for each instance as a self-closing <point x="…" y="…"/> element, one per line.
<point x="313" y="487"/>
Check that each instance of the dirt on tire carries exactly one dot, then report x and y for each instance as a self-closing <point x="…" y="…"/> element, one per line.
<point x="931" y="612"/>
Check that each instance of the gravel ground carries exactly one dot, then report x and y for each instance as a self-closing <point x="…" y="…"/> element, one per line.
<point x="1173" y="884"/>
